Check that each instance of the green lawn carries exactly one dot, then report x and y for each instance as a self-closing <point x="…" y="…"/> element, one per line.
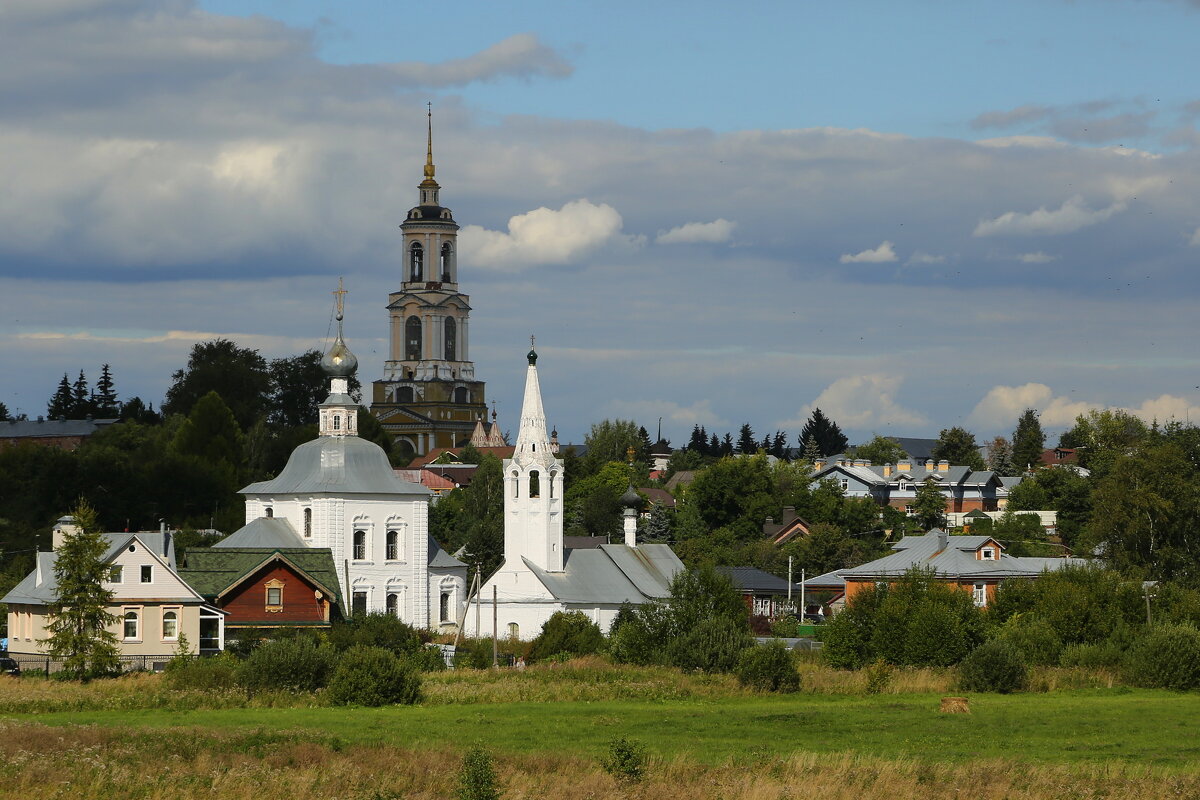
<point x="1136" y="727"/>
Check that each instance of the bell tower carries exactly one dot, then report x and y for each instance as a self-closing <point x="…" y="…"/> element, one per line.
<point x="428" y="396"/>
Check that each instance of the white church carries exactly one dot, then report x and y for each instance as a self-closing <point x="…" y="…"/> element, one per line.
<point x="539" y="576"/>
<point x="339" y="491"/>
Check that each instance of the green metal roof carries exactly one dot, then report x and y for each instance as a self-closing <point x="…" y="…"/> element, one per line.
<point x="211" y="571"/>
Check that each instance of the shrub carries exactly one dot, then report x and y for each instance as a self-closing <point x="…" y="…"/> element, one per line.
<point x="1165" y="657"/>
<point x="847" y="637"/>
<point x="626" y="760"/>
<point x="477" y="777"/>
<point x="426" y="659"/>
<point x="768" y="668"/>
<point x="994" y="666"/>
<point x="375" y="630"/>
<point x="295" y="664"/>
<point x="1091" y="656"/>
<point x="474" y="654"/>
<point x="934" y="637"/>
<point x="567" y="632"/>
<point x="192" y="672"/>
<point x="879" y="676"/>
<point x="373" y="676"/>
<point x="714" y="645"/>
<point x="786" y="627"/>
<point x="1035" y="639"/>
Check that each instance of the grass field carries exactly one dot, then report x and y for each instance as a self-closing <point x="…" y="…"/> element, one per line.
<point x="708" y="738"/>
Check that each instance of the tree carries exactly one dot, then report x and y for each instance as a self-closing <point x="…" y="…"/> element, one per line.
<point x="644" y="444"/>
<point x="239" y="375"/>
<point x="929" y="505"/>
<point x="812" y="450"/>
<point x="779" y="444"/>
<point x="607" y="441"/>
<point x="1103" y="435"/>
<point x="825" y="432"/>
<point x="746" y="444"/>
<point x="104" y="399"/>
<point x="4" y="414"/>
<point x="880" y="450"/>
<point x="658" y="529"/>
<point x="1028" y="441"/>
<point x="699" y="440"/>
<point x="727" y="446"/>
<point x="211" y="434"/>
<point x="79" y="616"/>
<point x="957" y="445"/>
<point x="1000" y="458"/>
<point x="60" y="404"/>
<point x="482" y="517"/>
<point x="81" y="398"/>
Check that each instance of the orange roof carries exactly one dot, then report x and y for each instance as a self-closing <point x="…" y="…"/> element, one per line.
<point x="436" y="453"/>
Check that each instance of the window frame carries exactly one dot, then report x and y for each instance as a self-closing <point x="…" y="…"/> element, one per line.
<point x="355" y="594"/>
<point x="392" y="546"/>
<point x="136" y="612"/>
<point x="273" y="585"/>
<point x="147" y="573"/>
<point x="359" y="545"/>
<point x="979" y="595"/>
<point x="178" y="612"/>
<point x="116" y="573"/>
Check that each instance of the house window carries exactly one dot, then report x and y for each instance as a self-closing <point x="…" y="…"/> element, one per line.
<point x="115" y="573"/>
<point x="845" y="484"/>
<point x="133" y="626"/>
<point x="170" y="625"/>
<point x="979" y="595"/>
<point x="393" y="545"/>
<point x="762" y="606"/>
<point x="393" y="604"/>
<point x="444" y="607"/>
<point x="358" y="603"/>
<point x="337" y="422"/>
<point x="147" y="573"/>
<point x="514" y="630"/>
<point x="360" y="545"/>
<point x="308" y="523"/>
<point x="274" y="599"/>
<point x="270" y="512"/>
<point x="988" y="554"/>
<point x="902" y="486"/>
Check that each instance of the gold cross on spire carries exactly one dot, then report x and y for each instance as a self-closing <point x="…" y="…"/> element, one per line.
<point x="340" y="295"/>
<point x="532" y="341"/>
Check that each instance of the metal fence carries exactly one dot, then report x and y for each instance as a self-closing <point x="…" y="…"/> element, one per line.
<point x="49" y="665"/>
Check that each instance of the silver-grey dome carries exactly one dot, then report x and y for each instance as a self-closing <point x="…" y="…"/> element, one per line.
<point x="338" y="465"/>
<point x="339" y="362"/>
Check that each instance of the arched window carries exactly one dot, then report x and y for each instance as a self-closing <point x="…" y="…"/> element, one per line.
<point x="553" y="476"/>
<point x="535" y="484"/>
<point x="412" y="338"/>
<point x="451" y="338"/>
<point x="393" y="545"/>
<point x="405" y="395"/>
<point x="270" y="512"/>
<point x="308" y="523"/>
<point x="516" y="485"/>
<point x="133" y="626"/>
<point x="444" y="606"/>
<point x="447" y="254"/>
<point x="416" y="261"/>
<point x="170" y="626"/>
<point x="393" y="604"/>
<point x="360" y="545"/>
<point x="461" y="395"/>
<point x="514" y="630"/>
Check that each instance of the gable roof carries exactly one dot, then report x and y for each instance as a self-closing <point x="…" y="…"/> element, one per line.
<point x="752" y="580"/>
<point x="612" y="574"/>
<point x="951" y="557"/>
<point x="39" y="428"/>
<point x="439" y="557"/>
<point x="212" y="572"/>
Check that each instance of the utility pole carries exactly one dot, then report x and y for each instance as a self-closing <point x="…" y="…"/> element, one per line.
<point x="495" y="631"/>
<point x="789" y="581"/>
<point x="802" y="606"/>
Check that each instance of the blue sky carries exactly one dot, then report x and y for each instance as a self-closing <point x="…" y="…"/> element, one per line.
<point x="911" y="215"/>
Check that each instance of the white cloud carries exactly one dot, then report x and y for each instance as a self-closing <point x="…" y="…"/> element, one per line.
<point x="860" y="402"/>
<point x="521" y="56"/>
<point x="879" y="255"/>
<point x="1195" y="240"/>
<point x="1071" y="216"/>
<point x="1002" y="405"/>
<point x="1036" y="258"/>
<point x="545" y="236"/>
<point x="921" y="257"/>
<point x="719" y="230"/>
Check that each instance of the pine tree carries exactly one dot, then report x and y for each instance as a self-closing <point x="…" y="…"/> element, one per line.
<point x="79" y="616"/>
<point x="779" y="446"/>
<point x="726" y="445"/>
<point x="765" y="446"/>
<point x="1000" y="456"/>
<point x="104" y="399"/>
<point x="644" y="445"/>
<point x="4" y="415"/>
<point x="699" y="441"/>
<point x="1028" y="441"/>
<point x="828" y="436"/>
<point x="658" y="529"/>
<point x="812" y="451"/>
<point x="81" y="399"/>
<point x="746" y="444"/>
<point x="60" y="404"/>
<point x="714" y="447"/>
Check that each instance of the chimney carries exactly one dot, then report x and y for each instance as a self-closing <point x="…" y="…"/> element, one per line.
<point x="63" y="528"/>
<point x="943" y="466"/>
<point x="630" y="527"/>
<point x="929" y="465"/>
<point x="943" y="539"/>
<point x="166" y="538"/>
<point x="819" y="464"/>
<point x="887" y="470"/>
<point x="903" y="465"/>
<point x="789" y="514"/>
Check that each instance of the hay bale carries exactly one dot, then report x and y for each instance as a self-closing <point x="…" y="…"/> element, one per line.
<point x="955" y="705"/>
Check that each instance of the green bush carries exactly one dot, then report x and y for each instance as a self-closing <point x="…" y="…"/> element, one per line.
<point x="640" y="639"/>
<point x="1165" y="657"/>
<point x="713" y="645"/>
<point x="567" y="632"/>
<point x="994" y="666"/>
<point x="879" y="676"/>
<point x="373" y="676"/>
<point x="768" y="668"/>
<point x="208" y="673"/>
<point x="474" y="654"/>
<point x="375" y="630"/>
<point x="934" y="637"/>
<point x="476" y="777"/>
<point x="1091" y="656"/>
<point x="786" y="627"/>
<point x="847" y="637"/>
<point x="626" y="760"/>
<point x="426" y="659"/>
<point x="295" y="664"/>
<point x="1036" y="640"/>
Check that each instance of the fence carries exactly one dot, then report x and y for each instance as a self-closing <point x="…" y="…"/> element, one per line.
<point x="49" y="665"/>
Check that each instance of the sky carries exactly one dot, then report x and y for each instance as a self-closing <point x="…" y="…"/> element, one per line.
<point x="910" y="215"/>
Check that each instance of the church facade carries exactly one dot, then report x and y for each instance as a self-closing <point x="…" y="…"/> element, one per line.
<point x="428" y="396"/>
<point x="539" y="576"/>
<point x="339" y="492"/>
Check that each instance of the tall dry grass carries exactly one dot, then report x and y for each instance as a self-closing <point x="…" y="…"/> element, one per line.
<point x="88" y="763"/>
<point x="135" y="691"/>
